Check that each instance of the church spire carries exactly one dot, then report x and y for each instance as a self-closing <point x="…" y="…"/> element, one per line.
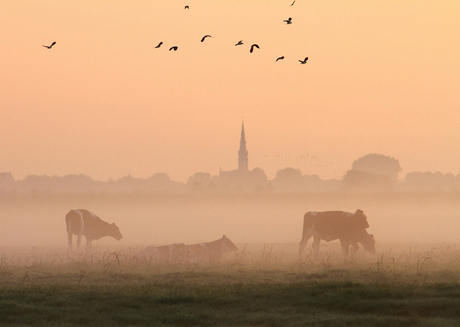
<point x="242" y="153"/>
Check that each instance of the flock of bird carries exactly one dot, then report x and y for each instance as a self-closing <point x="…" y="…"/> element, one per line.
<point x="240" y="42"/>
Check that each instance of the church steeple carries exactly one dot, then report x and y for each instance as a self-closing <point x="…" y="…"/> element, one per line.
<point x="242" y="153"/>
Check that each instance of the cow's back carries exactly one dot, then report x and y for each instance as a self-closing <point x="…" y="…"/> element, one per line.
<point x="90" y="219"/>
<point x="331" y="225"/>
<point x="82" y="221"/>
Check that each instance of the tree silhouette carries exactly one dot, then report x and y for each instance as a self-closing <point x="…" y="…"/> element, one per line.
<point x="378" y="164"/>
<point x="360" y="181"/>
<point x="288" y="179"/>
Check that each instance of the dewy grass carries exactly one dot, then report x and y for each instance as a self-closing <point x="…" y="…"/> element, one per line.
<point x="267" y="288"/>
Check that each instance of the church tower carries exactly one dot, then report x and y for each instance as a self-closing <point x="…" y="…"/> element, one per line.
<point x="242" y="153"/>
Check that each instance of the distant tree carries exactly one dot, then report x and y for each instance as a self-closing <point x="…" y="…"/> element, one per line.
<point x="257" y="181"/>
<point x="73" y="183"/>
<point x="430" y="182"/>
<point x="360" y="181"/>
<point x="288" y="179"/>
<point x="161" y="182"/>
<point x="160" y="178"/>
<point x="129" y="183"/>
<point x="199" y="179"/>
<point x="288" y="174"/>
<point x="35" y="182"/>
<point x="378" y="164"/>
<point x="313" y="183"/>
<point x="257" y="177"/>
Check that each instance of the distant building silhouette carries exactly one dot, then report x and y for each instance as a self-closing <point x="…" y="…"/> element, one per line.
<point x="241" y="179"/>
<point x="240" y="175"/>
<point x="242" y="153"/>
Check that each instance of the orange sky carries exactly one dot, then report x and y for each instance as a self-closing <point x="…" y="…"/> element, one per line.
<point x="382" y="77"/>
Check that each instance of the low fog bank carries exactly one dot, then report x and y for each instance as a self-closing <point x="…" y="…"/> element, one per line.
<point x="249" y="254"/>
<point x="38" y="219"/>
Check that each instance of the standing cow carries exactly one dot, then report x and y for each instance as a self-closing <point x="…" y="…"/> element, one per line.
<point x="349" y="228"/>
<point x="82" y="222"/>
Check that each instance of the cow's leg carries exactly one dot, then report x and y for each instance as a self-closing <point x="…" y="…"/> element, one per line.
<point x="303" y="242"/>
<point x="345" y="246"/>
<point x="316" y="241"/>
<point x="89" y="245"/>
<point x="354" y="248"/>
<point x="78" y="242"/>
<point x="69" y="241"/>
<point x="80" y="233"/>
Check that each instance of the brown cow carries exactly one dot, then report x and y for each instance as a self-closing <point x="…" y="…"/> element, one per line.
<point x="210" y="251"/>
<point x="173" y="253"/>
<point x="82" y="222"/>
<point x="349" y="228"/>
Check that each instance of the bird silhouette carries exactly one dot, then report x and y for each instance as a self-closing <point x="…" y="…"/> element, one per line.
<point x="159" y="45"/>
<point x="173" y="48"/>
<point x="304" y="61"/>
<point x="50" y="46"/>
<point x="240" y="42"/>
<point x="288" y="21"/>
<point x="253" y="46"/>
<point x="204" y="37"/>
<point x="292" y="3"/>
<point x="280" y="58"/>
<point x="187" y="7"/>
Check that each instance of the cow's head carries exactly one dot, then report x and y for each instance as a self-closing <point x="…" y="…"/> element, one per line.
<point x="361" y="219"/>
<point x="228" y="245"/>
<point x="115" y="232"/>
<point x="368" y="242"/>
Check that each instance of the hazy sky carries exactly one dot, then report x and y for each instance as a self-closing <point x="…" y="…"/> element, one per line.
<point x="382" y="77"/>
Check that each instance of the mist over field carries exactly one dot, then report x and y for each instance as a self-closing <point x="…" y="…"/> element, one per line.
<point x="144" y="219"/>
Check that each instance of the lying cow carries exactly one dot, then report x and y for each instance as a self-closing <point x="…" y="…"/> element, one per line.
<point x="210" y="251"/>
<point x="349" y="228"/>
<point x="82" y="222"/>
<point x="164" y="253"/>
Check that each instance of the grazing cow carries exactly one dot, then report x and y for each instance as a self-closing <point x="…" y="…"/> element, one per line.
<point x="165" y="253"/>
<point x="210" y="251"/>
<point x="82" y="222"/>
<point x="349" y="228"/>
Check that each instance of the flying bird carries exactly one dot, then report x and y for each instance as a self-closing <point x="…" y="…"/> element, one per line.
<point x="280" y="58"/>
<point x="187" y="7"/>
<point x="304" y="61"/>
<point x="159" y="45"/>
<point x="204" y="37"/>
<point x="292" y="3"/>
<point x="288" y="21"/>
<point x="173" y="48"/>
<point x="50" y="46"/>
<point x="253" y="46"/>
<point x="240" y="42"/>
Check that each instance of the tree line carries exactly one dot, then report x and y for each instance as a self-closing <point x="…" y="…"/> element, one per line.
<point x="371" y="173"/>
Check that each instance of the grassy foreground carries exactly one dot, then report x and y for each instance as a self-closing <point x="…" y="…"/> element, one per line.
<point x="113" y="290"/>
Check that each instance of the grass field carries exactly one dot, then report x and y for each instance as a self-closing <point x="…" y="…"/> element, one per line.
<point x="261" y="285"/>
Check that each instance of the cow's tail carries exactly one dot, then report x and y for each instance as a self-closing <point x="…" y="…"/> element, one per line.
<point x="308" y="223"/>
